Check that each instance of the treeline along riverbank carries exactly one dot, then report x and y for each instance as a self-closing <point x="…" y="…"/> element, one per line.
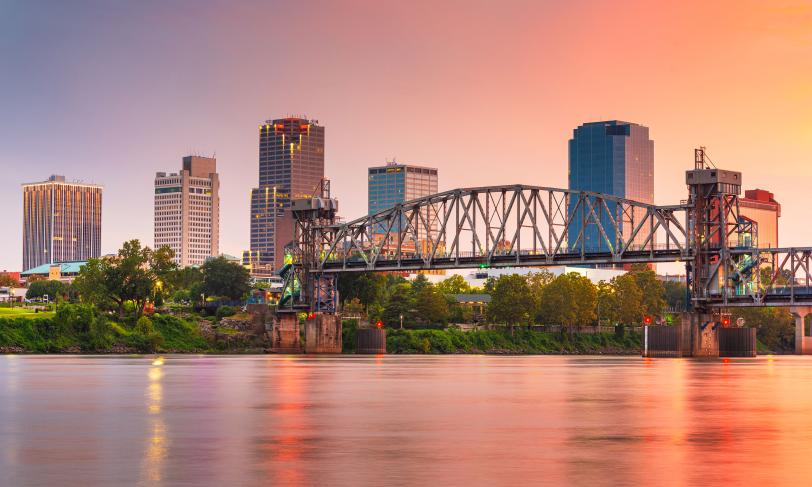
<point x="82" y="329"/>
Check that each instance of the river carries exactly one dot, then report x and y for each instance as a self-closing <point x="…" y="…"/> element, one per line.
<point x="403" y="420"/>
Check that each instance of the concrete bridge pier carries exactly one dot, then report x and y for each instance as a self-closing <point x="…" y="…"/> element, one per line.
<point x="700" y="335"/>
<point x="323" y="334"/>
<point x="285" y="333"/>
<point x="803" y="343"/>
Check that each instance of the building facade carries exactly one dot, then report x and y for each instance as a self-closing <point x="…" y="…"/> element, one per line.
<point x="61" y="221"/>
<point x="394" y="183"/>
<point x="760" y="207"/>
<point x="614" y="158"/>
<point x="187" y="211"/>
<point x="291" y="166"/>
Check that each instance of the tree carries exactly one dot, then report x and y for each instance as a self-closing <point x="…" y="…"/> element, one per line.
<point x="511" y="301"/>
<point x="129" y="276"/>
<point x="675" y="295"/>
<point x="53" y="289"/>
<point x="455" y="284"/>
<point x="652" y="289"/>
<point x="368" y="287"/>
<point x="608" y="303"/>
<point x="7" y="280"/>
<point x="569" y="300"/>
<point x="630" y="308"/>
<point x="400" y="303"/>
<point x="224" y="278"/>
<point x="537" y="281"/>
<point x="419" y="282"/>
<point x="182" y="279"/>
<point x="431" y="305"/>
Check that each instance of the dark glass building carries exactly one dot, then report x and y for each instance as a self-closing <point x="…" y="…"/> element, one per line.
<point x="614" y="158"/>
<point x="291" y="165"/>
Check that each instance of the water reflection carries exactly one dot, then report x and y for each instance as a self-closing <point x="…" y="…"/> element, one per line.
<point x="157" y="446"/>
<point x="472" y="420"/>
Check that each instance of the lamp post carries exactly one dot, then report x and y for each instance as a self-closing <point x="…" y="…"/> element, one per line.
<point x="401" y="321"/>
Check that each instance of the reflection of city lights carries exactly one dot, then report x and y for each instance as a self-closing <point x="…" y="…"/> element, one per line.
<point x="155" y="374"/>
<point x="158" y="361"/>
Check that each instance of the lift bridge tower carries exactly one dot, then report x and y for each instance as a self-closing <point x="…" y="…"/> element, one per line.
<point x="713" y="228"/>
<point x="306" y="293"/>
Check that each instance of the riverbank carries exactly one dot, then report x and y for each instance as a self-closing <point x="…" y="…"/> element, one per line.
<point x="77" y="330"/>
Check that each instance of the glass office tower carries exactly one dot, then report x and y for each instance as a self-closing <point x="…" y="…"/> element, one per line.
<point x="291" y="165"/>
<point x="396" y="183"/>
<point x="614" y="158"/>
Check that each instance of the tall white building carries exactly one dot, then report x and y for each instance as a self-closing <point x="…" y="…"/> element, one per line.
<point x="187" y="211"/>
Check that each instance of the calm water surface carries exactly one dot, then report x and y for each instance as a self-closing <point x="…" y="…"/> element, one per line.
<point x="455" y="420"/>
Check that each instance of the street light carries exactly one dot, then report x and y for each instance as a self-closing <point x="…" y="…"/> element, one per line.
<point x="401" y="321"/>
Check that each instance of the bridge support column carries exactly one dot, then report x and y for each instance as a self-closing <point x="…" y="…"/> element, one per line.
<point x="700" y="336"/>
<point x="323" y="334"/>
<point x="803" y="343"/>
<point x="285" y="333"/>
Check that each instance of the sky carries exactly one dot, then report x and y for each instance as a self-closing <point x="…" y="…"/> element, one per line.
<point x="488" y="92"/>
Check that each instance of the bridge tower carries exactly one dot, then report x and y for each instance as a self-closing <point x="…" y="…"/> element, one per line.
<point x="713" y="229"/>
<point x="306" y="291"/>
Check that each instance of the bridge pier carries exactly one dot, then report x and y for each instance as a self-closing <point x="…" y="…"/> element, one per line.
<point x="803" y="343"/>
<point x="323" y="334"/>
<point x="699" y="335"/>
<point x="285" y="333"/>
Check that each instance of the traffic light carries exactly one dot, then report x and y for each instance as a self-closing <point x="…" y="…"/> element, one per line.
<point x="646" y="320"/>
<point x="379" y="324"/>
<point x="726" y="321"/>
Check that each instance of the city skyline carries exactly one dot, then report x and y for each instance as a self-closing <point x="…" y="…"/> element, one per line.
<point x="391" y="95"/>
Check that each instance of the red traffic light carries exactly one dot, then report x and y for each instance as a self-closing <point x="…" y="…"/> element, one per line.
<point x="647" y="320"/>
<point x="379" y="324"/>
<point x="725" y="322"/>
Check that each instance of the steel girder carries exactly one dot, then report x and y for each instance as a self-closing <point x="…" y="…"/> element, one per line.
<point x="764" y="277"/>
<point x="503" y="226"/>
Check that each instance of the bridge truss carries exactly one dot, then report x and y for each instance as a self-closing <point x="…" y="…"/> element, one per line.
<point x="497" y="226"/>
<point x="520" y="225"/>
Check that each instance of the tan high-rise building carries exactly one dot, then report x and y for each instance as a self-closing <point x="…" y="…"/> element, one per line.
<point x="187" y="211"/>
<point x="760" y="207"/>
<point x="61" y="222"/>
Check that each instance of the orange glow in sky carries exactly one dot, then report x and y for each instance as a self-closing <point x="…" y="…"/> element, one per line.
<point x="488" y="93"/>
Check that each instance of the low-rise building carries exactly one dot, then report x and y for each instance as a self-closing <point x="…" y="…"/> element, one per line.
<point x="65" y="271"/>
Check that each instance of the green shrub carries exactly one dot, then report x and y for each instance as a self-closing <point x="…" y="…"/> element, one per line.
<point x="225" y="311"/>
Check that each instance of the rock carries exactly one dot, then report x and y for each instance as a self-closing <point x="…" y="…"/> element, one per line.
<point x="206" y="330"/>
<point x="236" y="323"/>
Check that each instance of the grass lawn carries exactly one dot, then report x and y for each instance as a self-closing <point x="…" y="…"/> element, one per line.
<point x="23" y="312"/>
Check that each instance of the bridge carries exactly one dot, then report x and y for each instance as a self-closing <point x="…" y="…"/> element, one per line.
<point x="521" y="225"/>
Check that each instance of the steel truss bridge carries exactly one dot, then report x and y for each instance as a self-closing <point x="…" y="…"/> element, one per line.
<point x="520" y="225"/>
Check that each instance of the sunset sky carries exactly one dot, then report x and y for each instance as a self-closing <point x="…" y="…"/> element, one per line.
<point x="488" y="92"/>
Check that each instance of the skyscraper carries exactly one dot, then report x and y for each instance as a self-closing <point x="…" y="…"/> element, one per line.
<point x="61" y="221"/>
<point x="187" y="211"/>
<point x="614" y="158"/>
<point x="395" y="183"/>
<point x="291" y="165"/>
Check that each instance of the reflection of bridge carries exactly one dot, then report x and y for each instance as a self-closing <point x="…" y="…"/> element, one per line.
<point x="518" y="225"/>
